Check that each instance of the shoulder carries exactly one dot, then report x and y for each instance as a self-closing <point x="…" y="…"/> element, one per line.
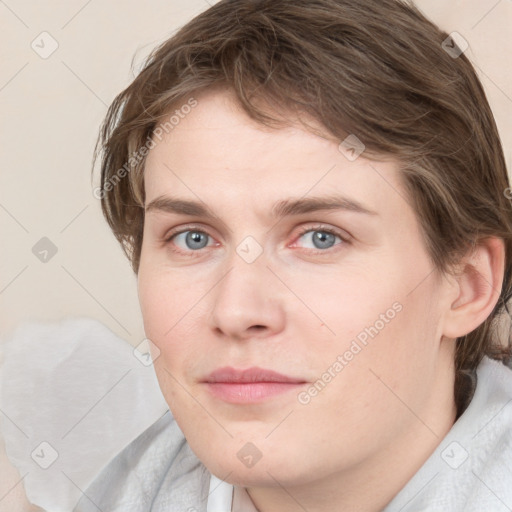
<point x="490" y="411"/>
<point x="489" y="422"/>
<point x="470" y="469"/>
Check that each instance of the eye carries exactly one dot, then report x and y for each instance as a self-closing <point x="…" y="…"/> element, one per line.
<point x="190" y="240"/>
<point x="320" y="238"/>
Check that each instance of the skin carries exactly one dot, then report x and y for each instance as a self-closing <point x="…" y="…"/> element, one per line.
<point x="12" y="492"/>
<point x="298" y="307"/>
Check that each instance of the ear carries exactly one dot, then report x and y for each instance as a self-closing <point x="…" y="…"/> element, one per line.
<point x="476" y="288"/>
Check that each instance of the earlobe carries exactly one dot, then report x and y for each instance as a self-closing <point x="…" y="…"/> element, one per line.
<point x="478" y="284"/>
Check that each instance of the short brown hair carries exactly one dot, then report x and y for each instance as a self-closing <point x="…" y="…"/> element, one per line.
<point x="374" y="68"/>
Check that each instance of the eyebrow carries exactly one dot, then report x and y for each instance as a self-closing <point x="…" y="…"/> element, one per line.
<point x="313" y="204"/>
<point x="279" y="210"/>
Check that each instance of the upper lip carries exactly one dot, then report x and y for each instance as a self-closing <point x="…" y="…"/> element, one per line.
<point x="254" y="374"/>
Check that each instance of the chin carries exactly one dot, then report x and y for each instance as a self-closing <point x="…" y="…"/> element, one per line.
<point x="265" y="472"/>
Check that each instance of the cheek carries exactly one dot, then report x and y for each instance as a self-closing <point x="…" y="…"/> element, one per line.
<point x="359" y="382"/>
<point x="346" y="300"/>
<point x="165" y="299"/>
<point x="164" y="304"/>
<point x="380" y="316"/>
<point x="174" y="308"/>
<point x="154" y="302"/>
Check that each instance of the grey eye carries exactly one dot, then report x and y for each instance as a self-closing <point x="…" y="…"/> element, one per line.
<point x="193" y="240"/>
<point x="318" y="239"/>
<point x="321" y="239"/>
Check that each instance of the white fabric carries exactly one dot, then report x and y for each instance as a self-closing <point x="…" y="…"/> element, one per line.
<point x="224" y="497"/>
<point x="242" y="501"/>
<point x="220" y="495"/>
<point x="471" y="470"/>
<point x="78" y="387"/>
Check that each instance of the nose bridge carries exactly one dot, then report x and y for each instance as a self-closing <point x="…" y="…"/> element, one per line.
<point x="246" y="296"/>
<point x="245" y="285"/>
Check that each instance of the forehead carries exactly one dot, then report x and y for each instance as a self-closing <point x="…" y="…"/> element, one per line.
<point x="216" y="153"/>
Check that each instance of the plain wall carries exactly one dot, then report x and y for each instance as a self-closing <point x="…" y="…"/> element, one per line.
<point x="51" y="112"/>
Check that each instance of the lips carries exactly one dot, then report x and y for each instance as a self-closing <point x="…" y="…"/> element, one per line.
<point x="251" y="375"/>
<point x="254" y="385"/>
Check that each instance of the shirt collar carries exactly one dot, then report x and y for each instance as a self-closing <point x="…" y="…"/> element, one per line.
<point x="224" y="497"/>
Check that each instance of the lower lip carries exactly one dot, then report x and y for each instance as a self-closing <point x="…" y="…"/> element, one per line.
<point x="251" y="392"/>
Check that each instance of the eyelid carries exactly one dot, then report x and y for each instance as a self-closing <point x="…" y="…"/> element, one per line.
<point x="181" y="229"/>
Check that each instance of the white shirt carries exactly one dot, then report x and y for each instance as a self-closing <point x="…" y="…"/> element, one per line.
<point x="224" y="497"/>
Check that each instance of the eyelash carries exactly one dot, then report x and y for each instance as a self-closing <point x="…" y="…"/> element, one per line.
<point x="324" y="229"/>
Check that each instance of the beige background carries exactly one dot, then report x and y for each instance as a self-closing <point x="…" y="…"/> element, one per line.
<point x="51" y="111"/>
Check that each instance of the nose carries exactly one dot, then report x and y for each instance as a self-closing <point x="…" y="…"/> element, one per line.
<point x="248" y="301"/>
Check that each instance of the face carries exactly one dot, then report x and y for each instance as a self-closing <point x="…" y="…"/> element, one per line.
<point x="271" y="250"/>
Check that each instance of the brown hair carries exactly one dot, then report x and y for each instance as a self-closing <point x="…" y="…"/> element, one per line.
<point x="374" y="68"/>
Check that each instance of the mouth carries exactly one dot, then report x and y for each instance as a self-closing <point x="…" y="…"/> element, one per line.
<point x="252" y="385"/>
